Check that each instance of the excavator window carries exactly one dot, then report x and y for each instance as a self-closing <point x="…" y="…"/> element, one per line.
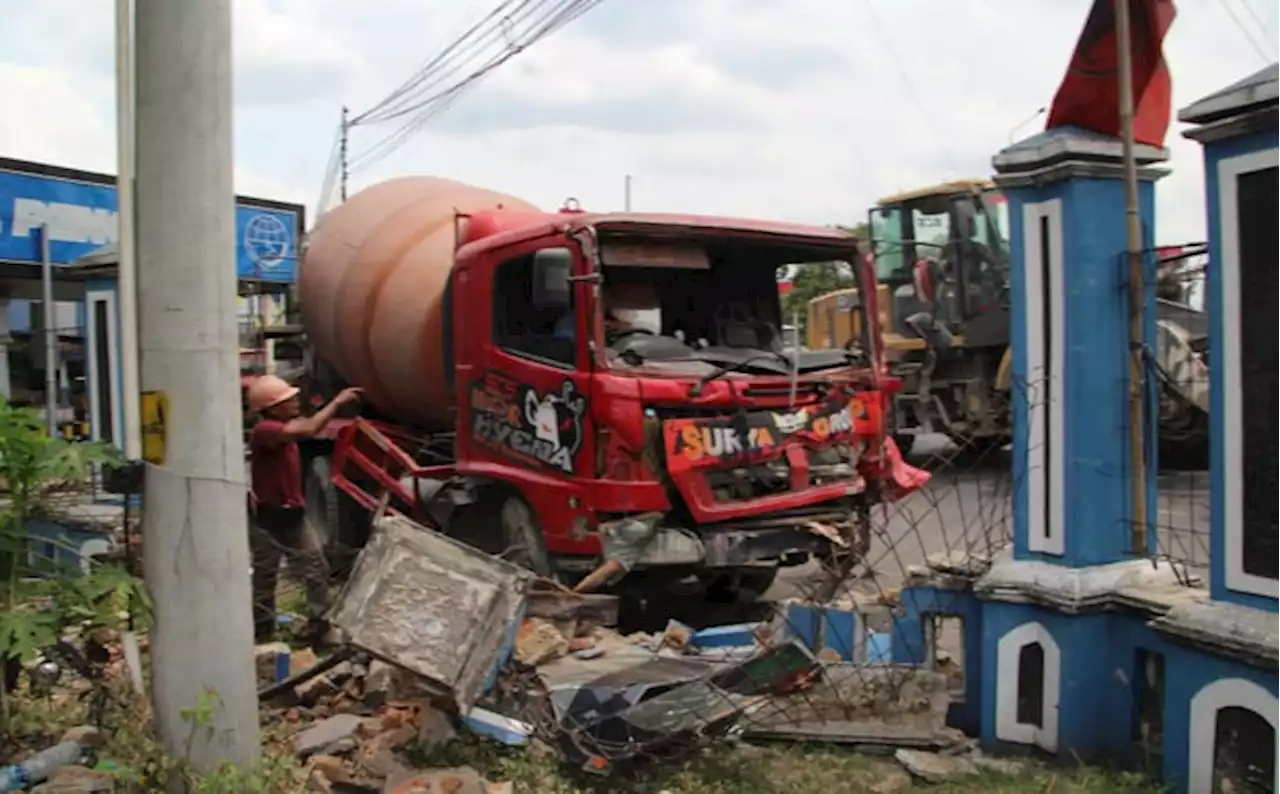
<point x="886" y="232"/>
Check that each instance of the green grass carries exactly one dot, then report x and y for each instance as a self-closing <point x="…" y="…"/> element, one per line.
<point x="767" y="769"/>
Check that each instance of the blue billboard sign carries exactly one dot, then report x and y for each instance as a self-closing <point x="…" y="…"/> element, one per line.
<point x="80" y="211"/>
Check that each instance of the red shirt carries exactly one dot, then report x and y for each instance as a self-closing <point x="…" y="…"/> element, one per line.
<point x="276" y="466"/>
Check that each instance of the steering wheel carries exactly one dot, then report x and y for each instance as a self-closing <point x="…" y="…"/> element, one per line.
<point x="611" y="338"/>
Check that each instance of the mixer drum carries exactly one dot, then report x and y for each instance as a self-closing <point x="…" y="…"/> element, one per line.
<point x="372" y="287"/>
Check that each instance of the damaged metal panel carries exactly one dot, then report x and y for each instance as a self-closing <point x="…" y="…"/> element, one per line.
<point x="438" y="608"/>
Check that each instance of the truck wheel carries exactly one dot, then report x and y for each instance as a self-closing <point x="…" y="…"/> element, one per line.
<point x="504" y="526"/>
<point x="740" y="586"/>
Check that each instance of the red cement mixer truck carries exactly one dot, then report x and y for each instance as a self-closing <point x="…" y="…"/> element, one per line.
<point x="529" y="375"/>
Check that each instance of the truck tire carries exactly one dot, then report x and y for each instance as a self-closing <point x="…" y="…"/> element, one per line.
<point x="744" y="586"/>
<point x="503" y="524"/>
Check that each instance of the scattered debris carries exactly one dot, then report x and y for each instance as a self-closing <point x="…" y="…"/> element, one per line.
<point x="895" y="782"/>
<point x="1002" y="766"/>
<point x="76" y="780"/>
<point x="86" y="736"/>
<point x="326" y="733"/>
<point x="934" y="768"/>
<point x="539" y="641"/>
<point x="463" y="780"/>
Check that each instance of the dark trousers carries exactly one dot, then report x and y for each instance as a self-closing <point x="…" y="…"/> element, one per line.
<point x="283" y="534"/>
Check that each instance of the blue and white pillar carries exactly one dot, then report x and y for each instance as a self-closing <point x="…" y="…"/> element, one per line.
<point x="1237" y="127"/>
<point x="1073" y="486"/>
<point x="1070" y="336"/>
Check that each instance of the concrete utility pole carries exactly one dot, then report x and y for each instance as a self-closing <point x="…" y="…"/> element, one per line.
<point x="194" y="535"/>
<point x="127" y="269"/>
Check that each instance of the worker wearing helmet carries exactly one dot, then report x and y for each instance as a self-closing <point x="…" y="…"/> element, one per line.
<point x="280" y="528"/>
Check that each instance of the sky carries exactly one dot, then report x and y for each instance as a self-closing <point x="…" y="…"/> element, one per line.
<point x="804" y="110"/>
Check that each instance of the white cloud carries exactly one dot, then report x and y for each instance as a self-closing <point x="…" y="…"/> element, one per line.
<point x="61" y="125"/>
<point x="807" y="110"/>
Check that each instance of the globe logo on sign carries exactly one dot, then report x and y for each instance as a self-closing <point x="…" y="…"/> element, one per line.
<point x="266" y="241"/>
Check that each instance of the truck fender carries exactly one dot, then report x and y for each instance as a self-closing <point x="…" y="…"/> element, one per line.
<point x="1004" y="373"/>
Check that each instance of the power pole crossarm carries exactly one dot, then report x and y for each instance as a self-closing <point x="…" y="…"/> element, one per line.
<point x="196" y="547"/>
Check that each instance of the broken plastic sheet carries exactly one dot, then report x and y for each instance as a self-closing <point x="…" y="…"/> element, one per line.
<point x="657" y="706"/>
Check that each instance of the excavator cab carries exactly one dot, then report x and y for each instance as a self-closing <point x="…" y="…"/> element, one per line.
<point x="942" y="262"/>
<point x="943" y="254"/>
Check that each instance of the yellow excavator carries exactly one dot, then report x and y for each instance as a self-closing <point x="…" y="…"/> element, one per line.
<point x="942" y="262"/>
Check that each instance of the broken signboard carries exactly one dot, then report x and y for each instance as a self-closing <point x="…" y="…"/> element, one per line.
<point x="441" y="609"/>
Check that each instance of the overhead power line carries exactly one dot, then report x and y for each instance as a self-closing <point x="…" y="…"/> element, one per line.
<point x="1244" y="30"/>
<point x="925" y="115"/>
<point x="509" y="29"/>
<point x="1257" y="20"/>
<point x="512" y="27"/>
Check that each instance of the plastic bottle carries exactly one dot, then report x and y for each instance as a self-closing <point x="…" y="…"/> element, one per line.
<point x="40" y="766"/>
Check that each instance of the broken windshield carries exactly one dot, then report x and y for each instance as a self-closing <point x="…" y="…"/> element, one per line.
<point x="696" y="306"/>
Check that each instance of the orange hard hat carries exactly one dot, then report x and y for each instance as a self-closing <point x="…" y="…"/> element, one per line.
<point x="268" y="391"/>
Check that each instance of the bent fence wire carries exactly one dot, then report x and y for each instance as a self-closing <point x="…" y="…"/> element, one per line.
<point x="1177" y="374"/>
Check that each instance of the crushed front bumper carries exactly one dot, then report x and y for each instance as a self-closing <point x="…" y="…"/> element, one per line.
<point x="781" y="540"/>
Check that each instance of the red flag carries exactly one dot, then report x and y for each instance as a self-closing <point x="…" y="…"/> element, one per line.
<point x="1089" y="96"/>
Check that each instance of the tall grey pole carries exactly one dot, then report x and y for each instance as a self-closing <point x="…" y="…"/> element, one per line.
<point x="194" y="533"/>
<point x="49" y="311"/>
<point x="127" y="280"/>
<point x="626" y="193"/>
<point x="1133" y="217"/>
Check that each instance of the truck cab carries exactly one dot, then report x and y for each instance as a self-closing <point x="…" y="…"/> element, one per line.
<point x="606" y="365"/>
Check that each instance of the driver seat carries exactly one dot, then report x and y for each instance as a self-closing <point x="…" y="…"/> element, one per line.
<point x="736" y="327"/>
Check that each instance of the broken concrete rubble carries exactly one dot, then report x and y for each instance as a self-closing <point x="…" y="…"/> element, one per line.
<point x="325" y="733"/>
<point x="77" y="780"/>
<point x="463" y="780"/>
<point x="934" y="768"/>
<point x="538" y="641"/>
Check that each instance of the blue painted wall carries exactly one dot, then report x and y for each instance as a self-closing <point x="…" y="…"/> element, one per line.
<point x="909" y="643"/>
<point x="1094" y="373"/>
<point x="1214" y="153"/>
<point x="1087" y="693"/>
<point x="1098" y="695"/>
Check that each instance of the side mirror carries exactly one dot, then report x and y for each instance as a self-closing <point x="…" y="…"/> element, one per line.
<point x="551" y="284"/>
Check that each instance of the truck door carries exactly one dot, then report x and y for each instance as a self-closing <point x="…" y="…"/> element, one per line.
<point x="526" y="417"/>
